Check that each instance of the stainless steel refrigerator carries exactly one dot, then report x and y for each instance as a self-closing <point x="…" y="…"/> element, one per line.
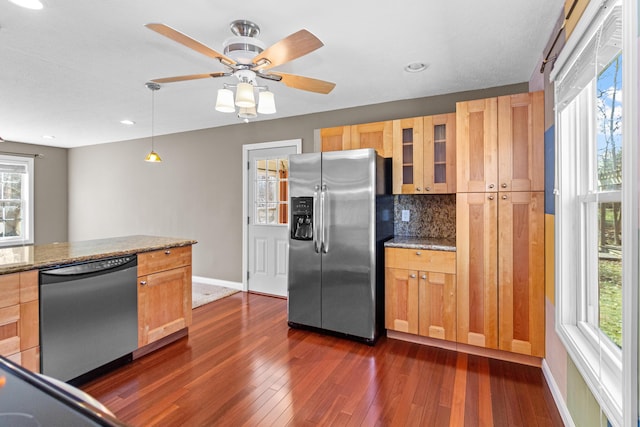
<point x="341" y="214"/>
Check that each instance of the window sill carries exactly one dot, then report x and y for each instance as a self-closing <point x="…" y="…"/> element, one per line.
<point x="603" y="380"/>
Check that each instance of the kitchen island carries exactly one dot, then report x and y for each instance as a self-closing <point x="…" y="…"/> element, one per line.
<point x="163" y="296"/>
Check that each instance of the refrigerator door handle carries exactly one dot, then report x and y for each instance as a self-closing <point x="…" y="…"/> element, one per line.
<point x="324" y="205"/>
<point x="316" y="220"/>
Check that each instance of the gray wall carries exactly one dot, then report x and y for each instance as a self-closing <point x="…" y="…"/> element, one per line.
<point x="197" y="191"/>
<point x="50" y="188"/>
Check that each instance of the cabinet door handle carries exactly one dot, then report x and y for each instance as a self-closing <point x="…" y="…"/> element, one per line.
<point x="418" y="189"/>
<point x="413" y="276"/>
<point x="491" y="185"/>
<point x="143" y="282"/>
<point x="428" y="188"/>
<point x="167" y="252"/>
<point x="424" y="277"/>
<point x="504" y="197"/>
<point x="504" y="185"/>
<point x="418" y="253"/>
<point x="491" y="197"/>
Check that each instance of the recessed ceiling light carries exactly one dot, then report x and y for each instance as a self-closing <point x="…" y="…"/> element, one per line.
<point x="48" y="137"/>
<point x="28" y="4"/>
<point x="127" y="122"/>
<point x="415" y="67"/>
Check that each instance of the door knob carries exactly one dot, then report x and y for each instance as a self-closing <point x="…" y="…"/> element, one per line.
<point x="143" y="282"/>
<point x="491" y="185"/>
<point x="491" y="197"/>
<point x="504" y="197"/>
<point x="504" y="185"/>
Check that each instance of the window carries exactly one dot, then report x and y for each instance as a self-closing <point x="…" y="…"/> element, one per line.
<point x="16" y="202"/>
<point x="592" y="202"/>
<point x="271" y="197"/>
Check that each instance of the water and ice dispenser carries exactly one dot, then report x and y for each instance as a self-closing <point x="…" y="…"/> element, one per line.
<point x="302" y="218"/>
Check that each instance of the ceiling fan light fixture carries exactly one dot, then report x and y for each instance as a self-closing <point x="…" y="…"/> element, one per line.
<point x="224" y="101"/>
<point x="244" y="95"/>
<point x="266" y="103"/>
<point x="247" y="113"/>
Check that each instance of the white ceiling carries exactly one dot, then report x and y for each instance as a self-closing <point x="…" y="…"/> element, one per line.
<point x="76" y="68"/>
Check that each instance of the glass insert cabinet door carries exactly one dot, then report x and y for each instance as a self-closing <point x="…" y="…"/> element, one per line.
<point x="270" y="202"/>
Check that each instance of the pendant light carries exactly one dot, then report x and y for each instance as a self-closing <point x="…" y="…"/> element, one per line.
<point x="152" y="157"/>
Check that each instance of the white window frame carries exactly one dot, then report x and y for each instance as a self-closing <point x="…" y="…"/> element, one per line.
<point x="611" y="374"/>
<point x="27" y="201"/>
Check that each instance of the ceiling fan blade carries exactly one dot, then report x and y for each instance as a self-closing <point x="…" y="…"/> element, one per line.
<point x="287" y="49"/>
<point x="189" y="77"/>
<point x="187" y="41"/>
<point x="305" y="83"/>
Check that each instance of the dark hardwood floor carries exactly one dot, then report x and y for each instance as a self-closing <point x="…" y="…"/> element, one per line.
<point x="242" y="365"/>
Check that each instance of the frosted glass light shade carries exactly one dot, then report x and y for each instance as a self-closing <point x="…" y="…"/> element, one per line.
<point x="244" y="95"/>
<point x="224" y="101"/>
<point x="266" y="103"/>
<point x="247" y="113"/>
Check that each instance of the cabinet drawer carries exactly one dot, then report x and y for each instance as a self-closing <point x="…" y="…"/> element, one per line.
<point x="396" y="258"/>
<point x="436" y="261"/>
<point x="164" y="259"/>
<point x="9" y="330"/>
<point x="421" y="260"/>
<point x="9" y="290"/>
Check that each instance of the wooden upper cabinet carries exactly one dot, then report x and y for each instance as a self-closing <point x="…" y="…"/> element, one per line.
<point x="476" y="266"/>
<point x="521" y="142"/>
<point x="477" y="145"/>
<point x="521" y="272"/>
<point x="408" y="158"/>
<point x="335" y="139"/>
<point x="440" y="153"/>
<point x="500" y="144"/>
<point x="378" y="135"/>
<point x="424" y="155"/>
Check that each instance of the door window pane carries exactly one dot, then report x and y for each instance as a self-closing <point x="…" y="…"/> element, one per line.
<point x="271" y="196"/>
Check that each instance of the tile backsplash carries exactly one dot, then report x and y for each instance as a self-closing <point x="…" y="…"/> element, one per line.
<point x="430" y="216"/>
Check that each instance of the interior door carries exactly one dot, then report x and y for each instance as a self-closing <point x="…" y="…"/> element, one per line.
<point x="268" y="213"/>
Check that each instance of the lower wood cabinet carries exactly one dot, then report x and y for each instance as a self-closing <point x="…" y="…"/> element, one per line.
<point x="500" y="271"/>
<point x="20" y="319"/>
<point x="164" y="293"/>
<point x="420" y="292"/>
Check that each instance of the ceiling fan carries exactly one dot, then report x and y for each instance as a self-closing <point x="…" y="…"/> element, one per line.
<point x="246" y="57"/>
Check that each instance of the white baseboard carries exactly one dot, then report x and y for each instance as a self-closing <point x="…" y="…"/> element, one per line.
<point x="557" y="395"/>
<point x="218" y="282"/>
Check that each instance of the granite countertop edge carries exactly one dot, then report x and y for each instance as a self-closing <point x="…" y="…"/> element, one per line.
<point x="409" y="242"/>
<point x="35" y="257"/>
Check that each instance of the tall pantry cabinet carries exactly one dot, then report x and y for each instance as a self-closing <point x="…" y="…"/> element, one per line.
<point x="500" y="223"/>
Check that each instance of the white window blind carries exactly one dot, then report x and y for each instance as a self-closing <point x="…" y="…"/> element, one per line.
<point x="601" y="42"/>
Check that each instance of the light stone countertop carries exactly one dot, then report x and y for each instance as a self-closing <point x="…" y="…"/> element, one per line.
<point x="421" y="243"/>
<point x="30" y="257"/>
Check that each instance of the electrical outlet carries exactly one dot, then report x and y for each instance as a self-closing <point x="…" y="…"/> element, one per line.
<point x="405" y="215"/>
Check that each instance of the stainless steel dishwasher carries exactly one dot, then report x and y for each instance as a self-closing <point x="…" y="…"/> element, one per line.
<point x="88" y="315"/>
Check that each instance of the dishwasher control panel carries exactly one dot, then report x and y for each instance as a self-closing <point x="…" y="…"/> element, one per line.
<point x="91" y="266"/>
